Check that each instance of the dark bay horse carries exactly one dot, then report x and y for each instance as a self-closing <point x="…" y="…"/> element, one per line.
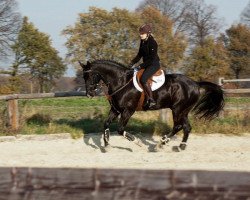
<point x="179" y="93"/>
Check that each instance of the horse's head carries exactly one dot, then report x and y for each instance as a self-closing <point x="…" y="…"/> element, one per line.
<point x="91" y="79"/>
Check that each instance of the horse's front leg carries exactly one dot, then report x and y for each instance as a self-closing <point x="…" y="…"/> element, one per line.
<point x="112" y="116"/>
<point x="125" y="116"/>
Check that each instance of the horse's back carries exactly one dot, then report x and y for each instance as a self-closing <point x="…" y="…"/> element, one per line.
<point x="179" y="78"/>
<point x="182" y="88"/>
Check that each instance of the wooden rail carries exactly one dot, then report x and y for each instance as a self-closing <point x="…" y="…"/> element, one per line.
<point x="122" y="184"/>
<point x="41" y="95"/>
<point x="13" y="112"/>
<point x="234" y="91"/>
<point x="222" y="80"/>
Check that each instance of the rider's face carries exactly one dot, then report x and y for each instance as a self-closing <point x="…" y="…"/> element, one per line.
<point x="143" y="36"/>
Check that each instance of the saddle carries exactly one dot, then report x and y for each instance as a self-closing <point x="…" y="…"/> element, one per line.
<point x="155" y="82"/>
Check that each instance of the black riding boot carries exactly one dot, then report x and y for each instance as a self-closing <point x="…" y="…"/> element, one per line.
<point x="150" y="101"/>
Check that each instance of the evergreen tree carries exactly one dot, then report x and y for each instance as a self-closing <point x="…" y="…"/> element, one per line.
<point x="35" y="55"/>
<point x="237" y="42"/>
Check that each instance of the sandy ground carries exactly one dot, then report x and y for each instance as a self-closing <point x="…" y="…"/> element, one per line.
<point x="207" y="152"/>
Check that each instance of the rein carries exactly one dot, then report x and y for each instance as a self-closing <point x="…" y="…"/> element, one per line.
<point x="110" y="95"/>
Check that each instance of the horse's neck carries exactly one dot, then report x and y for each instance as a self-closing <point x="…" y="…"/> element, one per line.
<point x="114" y="78"/>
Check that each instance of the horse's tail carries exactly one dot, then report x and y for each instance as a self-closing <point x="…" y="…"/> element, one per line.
<point x="211" y="102"/>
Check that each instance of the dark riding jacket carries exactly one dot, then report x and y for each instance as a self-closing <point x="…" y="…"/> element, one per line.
<point x="147" y="51"/>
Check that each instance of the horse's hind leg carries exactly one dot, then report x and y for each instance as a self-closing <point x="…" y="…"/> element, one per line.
<point x="186" y="130"/>
<point x="166" y="138"/>
<point x="178" y="125"/>
<point x="112" y="116"/>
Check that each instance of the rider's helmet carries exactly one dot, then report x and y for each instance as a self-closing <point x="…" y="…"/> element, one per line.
<point x="146" y="28"/>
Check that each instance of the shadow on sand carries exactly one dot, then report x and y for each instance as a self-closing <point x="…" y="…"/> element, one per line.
<point x="92" y="128"/>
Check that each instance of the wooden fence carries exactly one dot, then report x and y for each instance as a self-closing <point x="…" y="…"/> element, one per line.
<point x="234" y="91"/>
<point x="223" y="80"/>
<point x="12" y="103"/>
<point x="13" y="113"/>
<point x="121" y="184"/>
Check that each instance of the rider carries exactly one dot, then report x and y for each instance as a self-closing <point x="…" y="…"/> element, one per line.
<point x="151" y="61"/>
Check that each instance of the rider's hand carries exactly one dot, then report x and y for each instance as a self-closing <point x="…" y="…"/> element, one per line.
<point x="136" y="68"/>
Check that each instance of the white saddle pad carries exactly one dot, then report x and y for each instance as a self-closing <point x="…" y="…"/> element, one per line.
<point x="158" y="81"/>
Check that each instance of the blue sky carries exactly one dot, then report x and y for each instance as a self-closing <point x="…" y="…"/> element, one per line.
<point x="52" y="16"/>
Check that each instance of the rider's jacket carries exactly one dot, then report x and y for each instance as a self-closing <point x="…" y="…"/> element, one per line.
<point x="147" y="51"/>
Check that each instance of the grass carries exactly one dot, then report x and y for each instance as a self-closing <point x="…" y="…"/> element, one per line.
<point x="238" y="100"/>
<point x="80" y="116"/>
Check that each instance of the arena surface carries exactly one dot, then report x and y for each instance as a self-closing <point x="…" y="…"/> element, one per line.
<point x="204" y="152"/>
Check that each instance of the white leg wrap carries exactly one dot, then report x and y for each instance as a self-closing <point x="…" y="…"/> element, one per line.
<point x="166" y="139"/>
<point x="124" y="134"/>
<point x="106" y="130"/>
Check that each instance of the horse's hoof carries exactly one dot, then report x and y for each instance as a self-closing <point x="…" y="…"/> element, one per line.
<point x="176" y="149"/>
<point x="165" y="141"/>
<point x="183" y="146"/>
<point x="106" y="144"/>
<point x="128" y="136"/>
<point x="106" y="148"/>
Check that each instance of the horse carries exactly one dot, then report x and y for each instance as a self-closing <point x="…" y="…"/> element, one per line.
<point x="179" y="93"/>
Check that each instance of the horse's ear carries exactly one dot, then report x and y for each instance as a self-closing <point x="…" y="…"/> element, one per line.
<point x="88" y="66"/>
<point x="81" y="64"/>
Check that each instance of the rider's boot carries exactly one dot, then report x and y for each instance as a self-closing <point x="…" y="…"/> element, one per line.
<point x="150" y="101"/>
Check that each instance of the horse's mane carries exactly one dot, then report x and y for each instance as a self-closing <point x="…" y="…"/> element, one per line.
<point x="110" y="62"/>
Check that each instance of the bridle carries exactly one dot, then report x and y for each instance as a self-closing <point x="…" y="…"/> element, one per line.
<point x="94" y="83"/>
<point x="104" y="87"/>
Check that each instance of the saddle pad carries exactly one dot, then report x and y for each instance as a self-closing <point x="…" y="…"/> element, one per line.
<point x="157" y="81"/>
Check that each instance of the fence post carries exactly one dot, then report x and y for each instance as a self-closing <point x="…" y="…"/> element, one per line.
<point x="13" y="114"/>
<point x="166" y="116"/>
<point x="220" y="81"/>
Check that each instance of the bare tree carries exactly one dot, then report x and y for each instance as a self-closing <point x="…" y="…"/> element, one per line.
<point x="10" y="21"/>
<point x="175" y="10"/>
<point x="245" y="15"/>
<point x="202" y="21"/>
<point x="194" y="18"/>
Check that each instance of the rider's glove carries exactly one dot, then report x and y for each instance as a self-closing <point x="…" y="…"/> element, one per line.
<point x="136" y="68"/>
